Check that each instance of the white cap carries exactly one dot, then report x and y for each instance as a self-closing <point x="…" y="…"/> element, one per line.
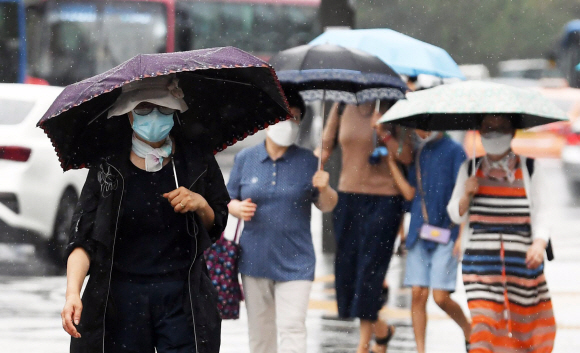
<point x="161" y="90"/>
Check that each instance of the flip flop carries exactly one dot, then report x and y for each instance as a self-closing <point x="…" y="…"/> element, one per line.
<point x="384" y="340"/>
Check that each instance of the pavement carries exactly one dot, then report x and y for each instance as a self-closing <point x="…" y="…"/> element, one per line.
<point x="32" y="294"/>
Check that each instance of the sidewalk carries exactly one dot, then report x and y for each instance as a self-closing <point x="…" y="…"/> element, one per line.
<point x="335" y="336"/>
<point x="443" y="335"/>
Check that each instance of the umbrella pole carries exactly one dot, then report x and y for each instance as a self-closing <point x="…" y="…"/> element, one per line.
<point x="377" y="109"/>
<point x="323" y="107"/>
<point x="174" y="173"/>
<point x="474" y="153"/>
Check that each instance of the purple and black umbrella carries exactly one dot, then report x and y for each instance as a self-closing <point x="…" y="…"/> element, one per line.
<point x="230" y="94"/>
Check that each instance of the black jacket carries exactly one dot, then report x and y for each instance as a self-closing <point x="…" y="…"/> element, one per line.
<point x="94" y="228"/>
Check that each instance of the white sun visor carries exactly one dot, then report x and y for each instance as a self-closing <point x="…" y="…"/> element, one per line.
<point x="163" y="91"/>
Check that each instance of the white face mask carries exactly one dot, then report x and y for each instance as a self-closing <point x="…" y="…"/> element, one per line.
<point x="432" y="136"/>
<point x="284" y="133"/>
<point x="496" y="143"/>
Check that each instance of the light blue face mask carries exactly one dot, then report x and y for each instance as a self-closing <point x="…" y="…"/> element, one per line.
<point x="153" y="127"/>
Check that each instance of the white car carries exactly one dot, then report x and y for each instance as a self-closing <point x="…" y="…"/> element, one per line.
<point x="37" y="199"/>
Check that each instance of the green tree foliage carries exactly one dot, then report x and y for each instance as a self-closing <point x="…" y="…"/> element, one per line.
<point x="475" y="31"/>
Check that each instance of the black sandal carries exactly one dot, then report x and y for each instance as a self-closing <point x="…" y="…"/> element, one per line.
<point x="384" y="340"/>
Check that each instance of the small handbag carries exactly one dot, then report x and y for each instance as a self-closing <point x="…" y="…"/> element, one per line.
<point x="429" y="232"/>
<point x="222" y="263"/>
<point x="436" y="234"/>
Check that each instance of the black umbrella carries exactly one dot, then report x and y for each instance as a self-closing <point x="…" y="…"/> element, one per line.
<point x="331" y="72"/>
<point x="338" y="74"/>
<point x="230" y="93"/>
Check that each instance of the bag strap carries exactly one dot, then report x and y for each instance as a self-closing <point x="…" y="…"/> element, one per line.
<point x="470" y="170"/>
<point x="420" y="186"/>
<point x="236" y="235"/>
<point x="530" y="165"/>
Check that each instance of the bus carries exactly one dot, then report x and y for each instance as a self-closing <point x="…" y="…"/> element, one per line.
<point x="569" y="53"/>
<point x="12" y="42"/>
<point x="71" y="39"/>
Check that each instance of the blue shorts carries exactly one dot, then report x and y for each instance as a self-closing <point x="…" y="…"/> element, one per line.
<point x="435" y="269"/>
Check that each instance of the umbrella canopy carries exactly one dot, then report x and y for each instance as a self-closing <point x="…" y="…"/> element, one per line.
<point x="463" y="105"/>
<point x="569" y="30"/>
<point x="340" y="74"/>
<point x="230" y="94"/>
<point x="406" y="55"/>
<point x="566" y="98"/>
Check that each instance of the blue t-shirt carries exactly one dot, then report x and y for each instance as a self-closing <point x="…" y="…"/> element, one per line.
<point x="277" y="243"/>
<point x="440" y="161"/>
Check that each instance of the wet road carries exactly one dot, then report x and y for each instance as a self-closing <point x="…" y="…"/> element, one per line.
<point x="32" y="295"/>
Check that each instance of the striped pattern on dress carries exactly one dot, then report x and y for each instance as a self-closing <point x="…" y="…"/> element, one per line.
<point x="510" y="304"/>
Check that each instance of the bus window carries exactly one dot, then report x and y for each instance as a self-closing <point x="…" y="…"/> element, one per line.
<point x="570" y="58"/>
<point x="569" y="52"/>
<point x="258" y="27"/>
<point x="34" y="24"/>
<point x="82" y="39"/>
<point x="183" y="30"/>
<point x="9" y="42"/>
<point x="218" y="24"/>
<point x="70" y="54"/>
<point x="76" y="39"/>
<point x="131" y="22"/>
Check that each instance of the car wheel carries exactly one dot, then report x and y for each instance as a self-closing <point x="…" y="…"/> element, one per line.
<point x="57" y="243"/>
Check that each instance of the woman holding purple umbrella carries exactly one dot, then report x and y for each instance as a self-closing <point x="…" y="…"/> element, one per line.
<point x="156" y="295"/>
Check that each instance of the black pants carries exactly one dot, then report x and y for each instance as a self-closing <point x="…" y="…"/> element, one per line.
<point x="142" y="317"/>
<point x="365" y="227"/>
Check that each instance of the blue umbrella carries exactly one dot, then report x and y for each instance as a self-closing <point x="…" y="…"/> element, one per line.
<point x="406" y="55"/>
<point x="578" y="67"/>
<point x="569" y="30"/>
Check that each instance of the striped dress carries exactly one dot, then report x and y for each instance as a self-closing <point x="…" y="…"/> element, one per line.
<point x="510" y="304"/>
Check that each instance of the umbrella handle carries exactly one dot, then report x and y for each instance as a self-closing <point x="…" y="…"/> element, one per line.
<point x="174" y="173"/>
<point x="323" y="107"/>
<point x="474" y="154"/>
